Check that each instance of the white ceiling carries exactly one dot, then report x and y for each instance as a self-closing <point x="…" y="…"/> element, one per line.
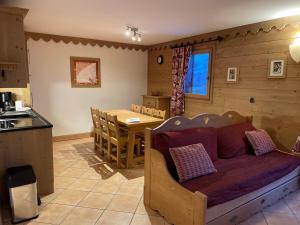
<point x="158" y="20"/>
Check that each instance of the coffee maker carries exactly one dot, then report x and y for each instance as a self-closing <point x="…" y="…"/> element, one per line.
<point x="6" y="101"/>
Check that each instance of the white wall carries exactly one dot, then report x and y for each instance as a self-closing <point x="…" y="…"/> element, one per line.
<point x="123" y="81"/>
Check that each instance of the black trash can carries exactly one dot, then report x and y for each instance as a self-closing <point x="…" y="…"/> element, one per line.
<point x="22" y="189"/>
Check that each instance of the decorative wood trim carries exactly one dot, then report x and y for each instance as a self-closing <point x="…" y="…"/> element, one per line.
<point x="72" y="136"/>
<point x="14" y="10"/>
<point x="202" y="120"/>
<point x="241" y="31"/>
<point x="84" y="41"/>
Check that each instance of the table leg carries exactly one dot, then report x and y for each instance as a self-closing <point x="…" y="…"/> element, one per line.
<point x="130" y="149"/>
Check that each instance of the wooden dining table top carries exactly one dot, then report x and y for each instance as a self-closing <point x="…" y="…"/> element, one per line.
<point x="124" y="114"/>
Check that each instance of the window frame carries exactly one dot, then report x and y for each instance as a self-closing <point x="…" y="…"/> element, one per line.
<point x="204" y="49"/>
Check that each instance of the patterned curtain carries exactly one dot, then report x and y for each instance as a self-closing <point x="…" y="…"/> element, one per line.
<point x="180" y="62"/>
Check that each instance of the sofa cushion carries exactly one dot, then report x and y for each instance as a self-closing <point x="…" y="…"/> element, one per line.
<point x="241" y="175"/>
<point x="166" y="140"/>
<point x="191" y="161"/>
<point x="261" y="141"/>
<point x="232" y="140"/>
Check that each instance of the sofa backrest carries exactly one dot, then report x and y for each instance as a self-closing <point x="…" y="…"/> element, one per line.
<point x="202" y="120"/>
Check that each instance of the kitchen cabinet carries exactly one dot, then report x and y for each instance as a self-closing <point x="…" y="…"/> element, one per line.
<point x="13" y="52"/>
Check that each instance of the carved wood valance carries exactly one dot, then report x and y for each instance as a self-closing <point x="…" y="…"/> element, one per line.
<point x="84" y="41"/>
<point x="252" y="29"/>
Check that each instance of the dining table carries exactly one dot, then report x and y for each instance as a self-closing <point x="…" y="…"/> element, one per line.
<point x="144" y="121"/>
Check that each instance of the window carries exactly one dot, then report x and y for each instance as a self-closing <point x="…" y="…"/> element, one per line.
<point x="197" y="81"/>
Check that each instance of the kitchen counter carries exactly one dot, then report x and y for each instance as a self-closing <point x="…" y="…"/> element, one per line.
<point x="26" y="139"/>
<point x="17" y="121"/>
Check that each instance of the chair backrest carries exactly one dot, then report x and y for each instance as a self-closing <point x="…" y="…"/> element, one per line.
<point x="102" y="117"/>
<point x="94" y="112"/>
<point x="147" y="111"/>
<point x="136" y="108"/>
<point x="113" y="128"/>
<point x="161" y="114"/>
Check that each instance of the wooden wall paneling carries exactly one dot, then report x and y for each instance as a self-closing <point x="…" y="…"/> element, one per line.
<point x="277" y="101"/>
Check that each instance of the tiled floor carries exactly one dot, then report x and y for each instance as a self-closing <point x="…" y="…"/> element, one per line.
<point x="89" y="191"/>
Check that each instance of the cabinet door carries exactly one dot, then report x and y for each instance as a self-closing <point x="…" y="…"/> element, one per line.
<point x="150" y="102"/>
<point x="13" y="49"/>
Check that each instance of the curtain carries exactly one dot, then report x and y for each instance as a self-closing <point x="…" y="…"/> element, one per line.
<point x="180" y="62"/>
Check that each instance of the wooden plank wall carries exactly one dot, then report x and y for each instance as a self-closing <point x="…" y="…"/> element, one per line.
<point x="277" y="101"/>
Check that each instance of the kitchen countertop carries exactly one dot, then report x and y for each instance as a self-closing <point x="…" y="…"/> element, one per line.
<point x="32" y="120"/>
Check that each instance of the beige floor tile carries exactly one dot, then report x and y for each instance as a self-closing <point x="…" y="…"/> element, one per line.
<point x="131" y="189"/>
<point x="63" y="182"/>
<point x="50" y="197"/>
<point x="115" y="218"/>
<point x="106" y="187"/>
<point x="53" y="213"/>
<point x="96" y="200"/>
<point x="142" y="209"/>
<point x="70" y="197"/>
<point x="82" y="163"/>
<point x="83" y="184"/>
<point x="32" y="223"/>
<point x="147" y="220"/>
<point x="257" y="219"/>
<point x="82" y="216"/>
<point x="91" y="174"/>
<point x="73" y="172"/>
<point x="124" y="203"/>
<point x="279" y="207"/>
<point x="280" y="219"/>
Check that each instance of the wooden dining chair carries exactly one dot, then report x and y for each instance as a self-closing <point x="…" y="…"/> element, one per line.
<point x="104" y="144"/>
<point x="117" y="140"/>
<point x="136" y="108"/>
<point x="96" y="127"/>
<point x="161" y="114"/>
<point x="147" y="111"/>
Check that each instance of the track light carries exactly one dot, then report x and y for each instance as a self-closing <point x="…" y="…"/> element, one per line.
<point x="133" y="33"/>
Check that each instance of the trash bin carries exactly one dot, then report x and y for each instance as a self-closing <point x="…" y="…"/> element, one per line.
<point x="21" y="184"/>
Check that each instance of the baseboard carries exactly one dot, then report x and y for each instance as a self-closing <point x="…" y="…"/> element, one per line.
<point x="72" y="136"/>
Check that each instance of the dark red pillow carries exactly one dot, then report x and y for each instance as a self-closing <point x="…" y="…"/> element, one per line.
<point x="232" y="140"/>
<point x="172" y="139"/>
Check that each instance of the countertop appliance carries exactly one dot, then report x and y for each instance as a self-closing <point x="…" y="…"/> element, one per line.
<point x="6" y="101"/>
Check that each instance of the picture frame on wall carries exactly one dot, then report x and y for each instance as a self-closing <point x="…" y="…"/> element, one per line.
<point x="232" y="75"/>
<point x="85" y="72"/>
<point x="277" y="68"/>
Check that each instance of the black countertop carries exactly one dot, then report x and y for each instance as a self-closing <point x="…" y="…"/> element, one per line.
<point x="32" y="120"/>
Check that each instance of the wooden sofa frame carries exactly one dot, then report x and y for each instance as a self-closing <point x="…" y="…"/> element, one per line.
<point x="177" y="204"/>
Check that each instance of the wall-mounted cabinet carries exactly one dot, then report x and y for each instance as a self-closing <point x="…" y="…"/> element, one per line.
<point x="13" y="52"/>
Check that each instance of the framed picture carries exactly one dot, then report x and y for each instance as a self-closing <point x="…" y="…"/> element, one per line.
<point x="85" y="72"/>
<point x="232" y="75"/>
<point x="277" y="68"/>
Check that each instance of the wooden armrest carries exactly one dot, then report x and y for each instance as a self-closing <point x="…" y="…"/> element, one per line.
<point x="177" y="204"/>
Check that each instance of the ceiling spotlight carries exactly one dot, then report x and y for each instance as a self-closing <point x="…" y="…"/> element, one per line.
<point x="133" y="33"/>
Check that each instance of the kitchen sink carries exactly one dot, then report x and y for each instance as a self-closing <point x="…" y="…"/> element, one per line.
<point x="16" y="114"/>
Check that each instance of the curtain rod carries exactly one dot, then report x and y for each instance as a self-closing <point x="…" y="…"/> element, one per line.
<point x="219" y="38"/>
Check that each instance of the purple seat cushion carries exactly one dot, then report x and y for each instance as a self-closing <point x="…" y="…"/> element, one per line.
<point x="172" y="139"/>
<point x="241" y="175"/>
<point x="232" y="140"/>
<point x="191" y="161"/>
